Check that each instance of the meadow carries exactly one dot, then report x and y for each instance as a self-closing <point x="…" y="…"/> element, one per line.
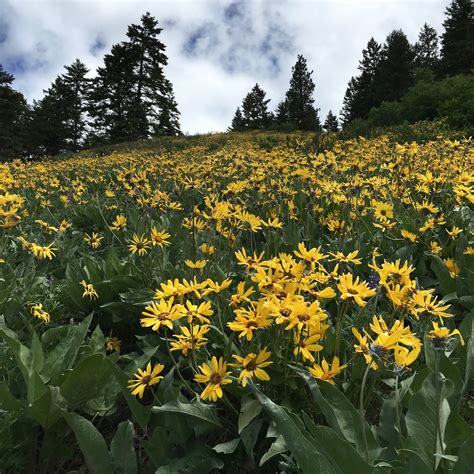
<point x="239" y="303"/>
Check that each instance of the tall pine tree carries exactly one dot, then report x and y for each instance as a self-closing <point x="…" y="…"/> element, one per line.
<point x="255" y="109"/>
<point x="426" y="49"/>
<point x="13" y="116"/>
<point x="299" y="98"/>
<point x="457" y="43"/>
<point x="238" y="122"/>
<point x="331" y="123"/>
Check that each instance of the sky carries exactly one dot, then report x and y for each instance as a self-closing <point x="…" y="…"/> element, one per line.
<point x="217" y="49"/>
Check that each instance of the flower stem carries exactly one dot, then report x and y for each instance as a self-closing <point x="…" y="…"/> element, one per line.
<point x="361" y="409"/>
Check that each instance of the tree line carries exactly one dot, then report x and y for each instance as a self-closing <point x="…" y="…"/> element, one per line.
<point x="392" y="77"/>
<point x="130" y="98"/>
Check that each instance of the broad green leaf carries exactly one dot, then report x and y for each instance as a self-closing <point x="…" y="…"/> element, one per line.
<point x="250" y="409"/>
<point x="465" y="457"/>
<point x="195" y="409"/>
<point x="21" y="353"/>
<point x="277" y="447"/>
<point x="249" y="436"/>
<point x="299" y="442"/>
<point x="342" y="416"/>
<point x="91" y="442"/>
<point x="447" y="284"/>
<point x="227" y="448"/>
<point x="122" y="449"/>
<point x="46" y="410"/>
<point x="424" y="418"/>
<point x="7" y="401"/>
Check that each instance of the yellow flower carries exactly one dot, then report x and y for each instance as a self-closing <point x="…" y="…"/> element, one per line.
<point x="349" y="258"/>
<point x="313" y="255"/>
<point x="215" y="375"/>
<point x="404" y="356"/>
<point x="435" y="248"/>
<point x="94" y="240"/>
<point x="89" y="290"/>
<point x="249" y="321"/>
<point x="354" y="290"/>
<point x="207" y="249"/>
<point x="139" y="244"/>
<point x="161" y="314"/>
<point x="304" y="346"/>
<point x="325" y="371"/>
<point x="469" y="250"/>
<point x="145" y="378"/>
<point x="382" y="210"/>
<point x="64" y="226"/>
<point x="249" y="262"/>
<point x="215" y="287"/>
<point x="119" y="223"/>
<point x="252" y="366"/>
<point x="198" y="264"/>
<point x="440" y="336"/>
<point x="453" y="267"/>
<point x="409" y="235"/>
<point x="190" y="340"/>
<point x="242" y="295"/>
<point x="454" y="232"/>
<point x="160" y="237"/>
<point x="426" y="303"/>
<point x="42" y="252"/>
<point x="38" y="312"/>
<point x="201" y="312"/>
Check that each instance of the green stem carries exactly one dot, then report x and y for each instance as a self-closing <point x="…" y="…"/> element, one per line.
<point x="340" y="317"/>
<point x="361" y="409"/>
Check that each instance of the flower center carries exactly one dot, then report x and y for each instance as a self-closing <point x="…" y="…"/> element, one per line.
<point x="162" y="316"/>
<point x="251" y="366"/>
<point x="215" y="379"/>
<point x="303" y="317"/>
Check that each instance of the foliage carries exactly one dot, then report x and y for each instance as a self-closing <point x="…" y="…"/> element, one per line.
<point x="252" y="302"/>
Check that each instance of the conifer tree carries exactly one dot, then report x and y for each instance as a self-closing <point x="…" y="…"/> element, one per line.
<point x="348" y="110"/>
<point x="396" y="72"/>
<point x="331" y="123"/>
<point x="426" y="49"/>
<point x="281" y="113"/>
<point x="238" y="122"/>
<point x="457" y="42"/>
<point x="255" y="109"/>
<point x="13" y="116"/>
<point x="299" y="98"/>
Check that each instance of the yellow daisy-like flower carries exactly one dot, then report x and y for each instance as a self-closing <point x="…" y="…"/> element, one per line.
<point x="161" y="314"/>
<point x="454" y="232"/>
<point x="327" y="372"/>
<point x="252" y="365"/>
<point x="469" y="250"/>
<point x="441" y="336"/>
<point x="242" y="295"/>
<point x="355" y="290"/>
<point x="453" y="267"/>
<point x="145" y="378"/>
<point x="89" y="290"/>
<point x="139" y="245"/>
<point x="64" y="226"/>
<point x="201" y="312"/>
<point x="351" y="257"/>
<point x="160" y="237"/>
<point x="207" y="249"/>
<point x="435" y="248"/>
<point x="425" y="302"/>
<point x="190" y="340"/>
<point x="215" y="375"/>
<point x="412" y="237"/>
<point x="38" y="312"/>
<point x="119" y="223"/>
<point x="198" y="264"/>
<point x="304" y="346"/>
<point x="42" y="252"/>
<point x="94" y="240"/>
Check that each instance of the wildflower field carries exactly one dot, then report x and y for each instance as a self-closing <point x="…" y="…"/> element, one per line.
<point x="239" y="303"/>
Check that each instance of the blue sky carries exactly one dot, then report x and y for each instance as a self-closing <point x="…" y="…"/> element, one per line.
<point x="217" y="49"/>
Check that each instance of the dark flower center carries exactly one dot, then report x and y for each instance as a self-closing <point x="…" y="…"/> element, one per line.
<point x="215" y="379"/>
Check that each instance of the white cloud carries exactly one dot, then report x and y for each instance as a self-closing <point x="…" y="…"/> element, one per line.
<point x="217" y="49"/>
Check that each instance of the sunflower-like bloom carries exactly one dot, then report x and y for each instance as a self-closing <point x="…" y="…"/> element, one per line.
<point x="160" y="237"/>
<point x="89" y="290"/>
<point x="412" y="237"/>
<point x="248" y="261"/>
<point x="241" y="296"/>
<point x="424" y="302"/>
<point x="327" y="372"/>
<point x="248" y="321"/>
<point x="393" y="273"/>
<point x="215" y="375"/>
<point x="305" y="345"/>
<point x="313" y="255"/>
<point x="441" y="336"/>
<point x="161" y="314"/>
<point x="38" y="312"/>
<point x="119" y="223"/>
<point x="252" y="366"/>
<point x="198" y="264"/>
<point x="42" y="252"/>
<point x="452" y="266"/>
<point x="145" y="378"/>
<point x="351" y="257"/>
<point x="201" y="312"/>
<point x="190" y="340"/>
<point x="270" y="280"/>
<point x="94" y="240"/>
<point x="355" y="290"/>
<point x="215" y="287"/>
<point x="139" y="244"/>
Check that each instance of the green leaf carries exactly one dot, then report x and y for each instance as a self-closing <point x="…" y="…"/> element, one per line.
<point x="195" y="409"/>
<point x="250" y="409"/>
<point x="300" y="444"/>
<point x="21" y="353"/>
<point x="249" y="436"/>
<point x="122" y="449"/>
<point x="7" y="401"/>
<point x="277" y="447"/>
<point x="447" y="285"/>
<point x="465" y="457"/>
<point x="227" y="448"/>
<point x="422" y="420"/>
<point x="342" y="416"/>
<point x="46" y="410"/>
<point x="91" y="442"/>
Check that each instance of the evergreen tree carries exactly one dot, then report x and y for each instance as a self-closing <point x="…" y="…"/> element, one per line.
<point x="348" y="111"/>
<point x="255" y="109"/>
<point x="457" y="43"/>
<point x="331" y="123"/>
<point x="13" y="116"/>
<point x="281" y="113"/>
<point x="154" y="108"/>
<point x="299" y="98"/>
<point x="426" y="49"/>
<point x="396" y="72"/>
<point x="238" y="122"/>
<point x="77" y="95"/>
